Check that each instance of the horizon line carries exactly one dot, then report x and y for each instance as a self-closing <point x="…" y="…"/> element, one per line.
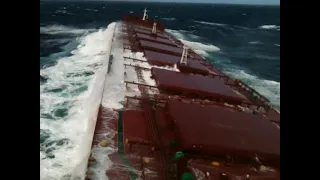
<point x="146" y="1"/>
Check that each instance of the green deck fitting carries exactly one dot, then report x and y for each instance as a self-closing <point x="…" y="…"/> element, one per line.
<point x="252" y="97"/>
<point x="187" y="176"/>
<point x="178" y="155"/>
<point x="122" y="156"/>
<point x="172" y="142"/>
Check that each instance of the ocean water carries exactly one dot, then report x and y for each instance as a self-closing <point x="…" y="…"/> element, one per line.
<point x="244" y="41"/>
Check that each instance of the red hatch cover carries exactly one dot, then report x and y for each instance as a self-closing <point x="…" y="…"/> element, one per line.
<point x="168" y="49"/>
<point x="149" y="32"/>
<point x="193" y="67"/>
<point x="196" y="85"/>
<point x="156" y="39"/>
<point x="161" y="59"/>
<point x="134" y="126"/>
<point x="212" y="129"/>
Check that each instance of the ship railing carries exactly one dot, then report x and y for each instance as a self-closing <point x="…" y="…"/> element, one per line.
<point x="130" y="65"/>
<point x="181" y="96"/>
<point x="143" y="98"/>
<point x="162" y="99"/>
<point x="149" y="69"/>
<point x="254" y="94"/>
<point x="134" y="59"/>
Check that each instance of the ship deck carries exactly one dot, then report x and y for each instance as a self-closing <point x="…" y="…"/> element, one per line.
<point x="225" y="129"/>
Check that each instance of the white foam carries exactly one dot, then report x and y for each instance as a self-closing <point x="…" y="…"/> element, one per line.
<point x="198" y="47"/>
<point x="62" y="11"/>
<point x="174" y="68"/>
<point x="270" y="89"/>
<point x="255" y="42"/>
<point x="147" y="77"/>
<point x="269" y="27"/>
<point x="192" y="36"/>
<point x="136" y="55"/>
<point x="114" y="86"/>
<point x="277" y="45"/>
<point x="210" y="23"/>
<point x="133" y="90"/>
<point x="201" y="48"/>
<point x="78" y="125"/>
<point x="61" y="29"/>
<point x="94" y="10"/>
<point x="175" y="33"/>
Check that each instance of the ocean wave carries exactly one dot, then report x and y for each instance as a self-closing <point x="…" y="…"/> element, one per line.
<point x="68" y="100"/>
<point x="240" y="27"/>
<point x="270" y="89"/>
<point x="61" y="29"/>
<point x="269" y="27"/>
<point x="63" y="10"/>
<point x="277" y="45"/>
<point x="198" y="47"/>
<point x="176" y="33"/>
<point x="169" y="19"/>
<point x="192" y="36"/>
<point x="209" y="23"/>
<point x="255" y="42"/>
<point x="94" y="10"/>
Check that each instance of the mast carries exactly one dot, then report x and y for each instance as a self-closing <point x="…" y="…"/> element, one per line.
<point x="184" y="56"/>
<point x="145" y="16"/>
<point x="154" y="28"/>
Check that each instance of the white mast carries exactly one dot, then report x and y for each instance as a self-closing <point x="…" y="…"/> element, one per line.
<point x="145" y="16"/>
<point x="154" y="28"/>
<point x="184" y="57"/>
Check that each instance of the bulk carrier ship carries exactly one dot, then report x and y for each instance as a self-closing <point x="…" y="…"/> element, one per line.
<point x="186" y="119"/>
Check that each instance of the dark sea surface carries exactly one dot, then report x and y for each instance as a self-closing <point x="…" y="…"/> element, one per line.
<point x="244" y="41"/>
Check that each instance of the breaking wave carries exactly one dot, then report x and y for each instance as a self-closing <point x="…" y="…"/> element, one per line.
<point x="209" y="23"/>
<point x="198" y="47"/>
<point x="61" y="29"/>
<point x="270" y="89"/>
<point x="69" y="99"/>
<point x="269" y="27"/>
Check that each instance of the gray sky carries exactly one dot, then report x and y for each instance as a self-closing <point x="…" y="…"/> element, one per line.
<point x="262" y="2"/>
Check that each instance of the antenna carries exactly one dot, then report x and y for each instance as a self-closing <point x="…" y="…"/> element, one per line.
<point x="144" y="14"/>
<point x="154" y="28"/>
<point x="184" y="56"/>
